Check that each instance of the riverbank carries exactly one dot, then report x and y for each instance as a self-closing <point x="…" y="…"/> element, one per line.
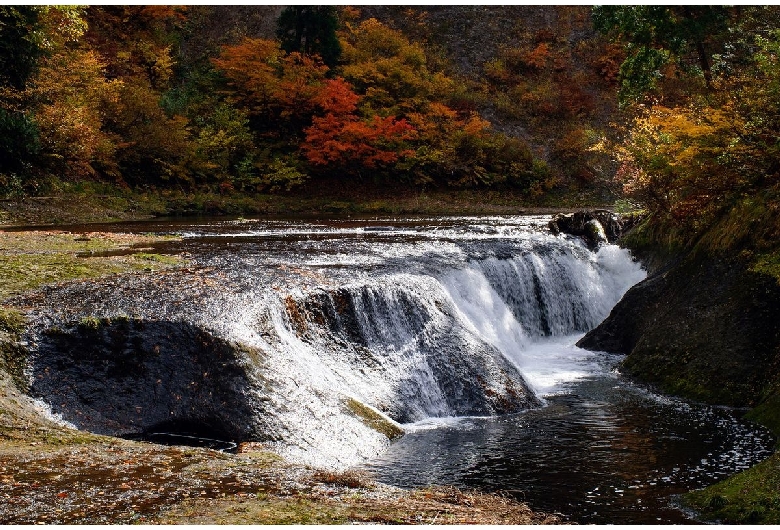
<point x="54" y="474"/>
<point x="91" y="204"/>
<point x="705" y="325"/>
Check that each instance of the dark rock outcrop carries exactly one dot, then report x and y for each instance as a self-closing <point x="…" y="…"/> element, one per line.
<point x="129" y="377"/>
<point x="595" y="227"/>
<point x="705" y="327"/>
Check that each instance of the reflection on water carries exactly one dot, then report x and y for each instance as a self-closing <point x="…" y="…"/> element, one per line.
<point x="605" y="452"/>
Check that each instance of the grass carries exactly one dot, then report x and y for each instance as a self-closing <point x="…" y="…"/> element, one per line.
<point x="31" y="259"/>
<point x="752" y="496"/>
<point x="768" y="263"/>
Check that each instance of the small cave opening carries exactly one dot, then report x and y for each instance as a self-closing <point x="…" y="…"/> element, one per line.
<point x="188" y="433"/>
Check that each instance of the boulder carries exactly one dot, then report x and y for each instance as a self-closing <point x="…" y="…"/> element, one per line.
<point x="594" y="227"/>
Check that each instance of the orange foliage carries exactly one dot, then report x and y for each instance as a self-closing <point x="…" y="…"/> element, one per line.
<point x="270" y="83"/>
<point x="337" y="97"/>
<point x="161" y="12"/>
<point x="537" y="58"/>
<point x="340" y="137"/>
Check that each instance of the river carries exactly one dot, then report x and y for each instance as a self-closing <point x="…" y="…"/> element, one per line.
<point x="459" y="329"/>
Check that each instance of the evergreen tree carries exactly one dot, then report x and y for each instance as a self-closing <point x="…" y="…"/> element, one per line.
<point x="19" y="51"/>
<point x="310" y="30"/>
<point x="19" y="55"/>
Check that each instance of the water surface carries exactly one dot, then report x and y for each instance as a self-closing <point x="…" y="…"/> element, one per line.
<point x="603" y="450"/>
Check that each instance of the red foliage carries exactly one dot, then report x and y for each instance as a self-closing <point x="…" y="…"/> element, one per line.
<point x="341" y="138"/>
<point x="337" y="97"/>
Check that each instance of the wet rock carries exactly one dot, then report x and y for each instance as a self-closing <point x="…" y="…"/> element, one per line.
<point x="704" y="327"/>
<point x="595" y="227"/>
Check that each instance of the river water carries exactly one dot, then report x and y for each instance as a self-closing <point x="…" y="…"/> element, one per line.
<point x="462" y="329"/>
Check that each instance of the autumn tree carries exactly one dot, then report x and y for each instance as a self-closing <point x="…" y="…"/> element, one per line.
<point x="136" y="44"/>
<point x="339" y="138"/>
<point x="68" y="95"/>
<point x="692" y="161"/>
<point x="276" y="88"/>
<point x="388" y="70"/>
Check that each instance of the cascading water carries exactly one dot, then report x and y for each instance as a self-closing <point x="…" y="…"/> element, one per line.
<point x="321" y="338"/>
<point x="417" y="319"/>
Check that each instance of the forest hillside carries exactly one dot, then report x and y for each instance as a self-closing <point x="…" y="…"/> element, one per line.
<point x="243" y="99"/>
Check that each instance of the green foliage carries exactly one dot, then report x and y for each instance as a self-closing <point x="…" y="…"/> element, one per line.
<point x="768" y="264"/>
<point x="656" y="35"/>
<point x="310" y="30"/>
<point x="282" y="174"/>
<point x="224" y="141"/>
<point x="19" y="45"/>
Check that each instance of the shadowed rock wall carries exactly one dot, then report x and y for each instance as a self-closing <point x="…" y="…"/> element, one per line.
<point x="704" y="327"/>
<point x="132" y="376"/>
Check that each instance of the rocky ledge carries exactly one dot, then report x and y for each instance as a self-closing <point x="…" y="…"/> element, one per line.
<point x="704" y="326"/>
<point x="593" y="226"/>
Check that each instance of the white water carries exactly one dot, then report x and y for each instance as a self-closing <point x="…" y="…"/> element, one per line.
<point x="421" y="321"/>
<point x="416" y="319"/>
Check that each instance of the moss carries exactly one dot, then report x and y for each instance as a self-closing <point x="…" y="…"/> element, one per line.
<point x="31" y="259"/>
<point x="373" y="419"/>
<point x="24" y="272"/>
<point x="752" y="496"/>
<point x="12" y="321"/>
<point x="13" y="356"/>
<point x="768" y="263"/>
<point x="90" y="323"/>
<point x="767" y="414"/>
<point x="158" y="258"/>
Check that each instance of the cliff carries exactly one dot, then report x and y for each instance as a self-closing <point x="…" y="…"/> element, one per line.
<point x="704" y="325"/>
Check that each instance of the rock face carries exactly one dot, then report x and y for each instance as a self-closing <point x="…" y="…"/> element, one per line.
<point x="131" y="376"/>
<point x="704" y="327"/>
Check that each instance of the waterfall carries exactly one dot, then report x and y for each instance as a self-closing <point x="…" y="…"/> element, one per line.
<point x="460" y="338"/>
<point x="339" y="334"/>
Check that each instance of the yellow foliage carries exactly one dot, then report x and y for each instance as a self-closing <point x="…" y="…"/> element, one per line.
<point x="72" y="92"/>
<point x="672" y="157"/>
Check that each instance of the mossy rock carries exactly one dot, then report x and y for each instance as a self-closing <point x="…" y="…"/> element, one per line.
<point x="13" y="355"/>
<point x="373" y="419"/>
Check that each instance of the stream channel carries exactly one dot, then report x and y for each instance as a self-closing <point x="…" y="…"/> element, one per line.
<point x="462" y="329"/>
